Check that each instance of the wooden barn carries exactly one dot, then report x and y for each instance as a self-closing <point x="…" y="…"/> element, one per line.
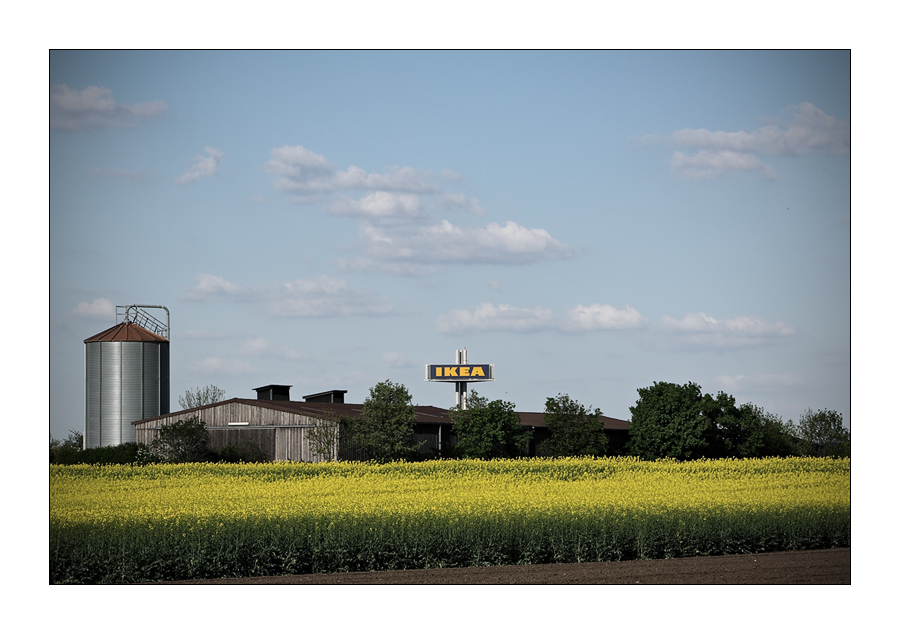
<point x="281" y="427"/>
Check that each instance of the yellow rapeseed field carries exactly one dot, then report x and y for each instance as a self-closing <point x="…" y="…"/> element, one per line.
<point x="228" y="520"/>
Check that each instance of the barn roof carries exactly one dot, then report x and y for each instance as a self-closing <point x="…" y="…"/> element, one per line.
<point x="425" y="414"/>
<point x="125" y="331"/>
<point x="536" y="419"/>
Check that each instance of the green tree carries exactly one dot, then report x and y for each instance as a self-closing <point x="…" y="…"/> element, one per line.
<point x="325" y="437"/>
<point x="668" y="421"/>
<point x="489" y="429"/>
<point x="679" y="421"/>
<point x="200" y="396"/>
<point x="66" y="451"/>
<point x="736" y="431"/>
<point x="823" y="433"/>
<point x="385" y="429"/>
<point x="183" y="441"/>
<point x="574" y="429"/>
<point x="780" y="439"/>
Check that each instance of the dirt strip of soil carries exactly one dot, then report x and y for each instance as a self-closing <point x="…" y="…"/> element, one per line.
<point x="793" y="567"/>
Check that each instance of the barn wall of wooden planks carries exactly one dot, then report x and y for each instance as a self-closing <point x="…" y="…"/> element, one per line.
<point x="281" y="429"/>
<point x="281" y="435"/>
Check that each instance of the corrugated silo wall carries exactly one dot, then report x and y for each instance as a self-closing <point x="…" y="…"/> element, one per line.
<point x="125" y="381"/>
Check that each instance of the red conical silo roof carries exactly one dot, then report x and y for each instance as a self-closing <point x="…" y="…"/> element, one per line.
<point x="126" y="331"/>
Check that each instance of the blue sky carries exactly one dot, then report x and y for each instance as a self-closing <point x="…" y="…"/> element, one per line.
<point x="588" y="222"/>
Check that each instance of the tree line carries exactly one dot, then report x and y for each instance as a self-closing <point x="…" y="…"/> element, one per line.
<point x="679" y="421"/>
<point x="667" y="421"/>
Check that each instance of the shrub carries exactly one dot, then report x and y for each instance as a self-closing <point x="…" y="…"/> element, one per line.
<point x="126" y="453"/>
<point x="489" y="429"/>
<point x="823" y="433"/>
<point x="183" y="441"/>
<point x="575" y="430"/>
<point x="63" y="452"/>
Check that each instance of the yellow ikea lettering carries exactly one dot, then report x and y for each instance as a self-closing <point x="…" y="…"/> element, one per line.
<point x="450" y="371"/>
<point x="437" y="371"/>
<point x="477" y="371"/>
<point x="464" y="371"/>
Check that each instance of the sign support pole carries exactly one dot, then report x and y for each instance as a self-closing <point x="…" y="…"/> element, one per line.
<point x="461" y="386"/>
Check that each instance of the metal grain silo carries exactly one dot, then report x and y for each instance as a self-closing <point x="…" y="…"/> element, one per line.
<point x="126" y="370"/>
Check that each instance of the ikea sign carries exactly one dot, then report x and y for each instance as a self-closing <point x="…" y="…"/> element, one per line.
<point x="460" y="372"/>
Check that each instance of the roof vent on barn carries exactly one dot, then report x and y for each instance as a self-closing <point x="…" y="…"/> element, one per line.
<point x="331" y="396"/>
<point x="273" y="393"/>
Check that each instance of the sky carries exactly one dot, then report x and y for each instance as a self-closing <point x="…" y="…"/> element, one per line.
<point x="590" y="222"/>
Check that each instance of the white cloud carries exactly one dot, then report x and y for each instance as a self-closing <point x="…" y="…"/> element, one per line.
<point x="300" y="169"/>
<point x="214" y="287"/>
<point x="450" y="175"/>
<point x="444" y="242"/>
<point x="203" y="166"/>
<point x="487" y="317"/>
<point x="303" y="171"/>
<point x="405" y="179"/>
<point x="804" y="129"/>
<point x="455" y="200"/>
<point x="94" y="107"/>
<point x="309" y="175"/>
<point x="100" y="308"/>
<point x="380" y="205"/>
<point x="398" y="232"/>
<point x="603" y="317"/>
<point x="318" y="297"/>
<point x="807" y="130"/>
<point x="325" y="297"/>
<point x="699" y="329"/>
<point x="695" y="330"/>
<point x="708" y="164"/>
<point x="744" y="326"/>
